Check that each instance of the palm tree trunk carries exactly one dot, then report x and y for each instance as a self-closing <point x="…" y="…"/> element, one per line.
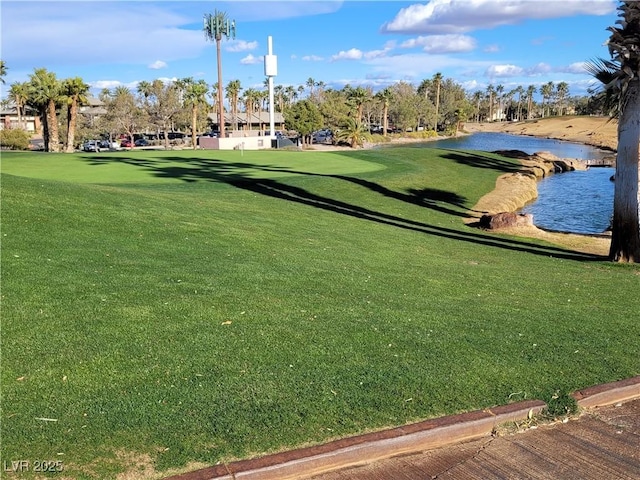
<point x="194" y="121"/>
<point x="52" y="121"/>
<point x="72" y="116"/>
<point x="385" y="120"/>
<point x="44" y="123"/>
<point x="625" y="239"/>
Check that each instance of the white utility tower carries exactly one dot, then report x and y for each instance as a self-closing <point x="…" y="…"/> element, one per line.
<point x="271" y="70"/>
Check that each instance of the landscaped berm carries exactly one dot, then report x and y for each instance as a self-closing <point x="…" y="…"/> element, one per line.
<point x="165" y="311"/>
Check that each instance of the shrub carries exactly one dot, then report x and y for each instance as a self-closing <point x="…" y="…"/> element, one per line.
<point x="377" y="138"/>
<point x="14" y="139"/>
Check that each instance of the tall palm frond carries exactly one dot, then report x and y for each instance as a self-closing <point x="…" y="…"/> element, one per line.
<point x="607" y="73"/>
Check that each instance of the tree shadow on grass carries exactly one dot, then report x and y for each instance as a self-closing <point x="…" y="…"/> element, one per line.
<point x="237" y="174"/>
<point x="480" y="160"/>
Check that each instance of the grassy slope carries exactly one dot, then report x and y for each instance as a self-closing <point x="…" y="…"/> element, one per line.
<point x="207" y="309"/>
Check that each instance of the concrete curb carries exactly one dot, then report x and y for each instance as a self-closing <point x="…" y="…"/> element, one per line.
<point x="608" y="393"/>
<point x="413" y="438"/>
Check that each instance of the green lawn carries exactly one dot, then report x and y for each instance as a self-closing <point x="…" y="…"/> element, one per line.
<point x="207" y="306"/>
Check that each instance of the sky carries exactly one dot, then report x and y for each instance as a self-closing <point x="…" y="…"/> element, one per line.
<point x="375" y="44"/>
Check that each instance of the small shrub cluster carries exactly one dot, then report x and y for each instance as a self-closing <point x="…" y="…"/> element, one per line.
<point x="560" y="405"/>
<point x="377" y="138"/>
<point x="423" y="134"/>
<point x="14" y="139"/>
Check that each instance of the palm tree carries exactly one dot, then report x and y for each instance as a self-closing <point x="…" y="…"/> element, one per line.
<point x="424" y="88"/>
<point x="490" y="92"/>
<point x="357" y="97"/>
<point x="3" y="71"/>
<point x="233" y="95"/>
<point x="477" y="98"/>
<point x="262" y="99"/>
<point x="621" y="79"/>
<point x="251" y="99"/>
<point x="310" y="83"/>
<point x="546" y="91"/>
<point x="291" y="94"/>
<point x="531" y="89"/>
<point x="499" y="90"/>
<point x="19" y="93"/>
<point x="562" y="91"/>
<point x="278" y="92"/>
<point x="215" y="27"/>
<point x="45" y="95"/>
<point x="437" y="80"/>
<point x="75" y="92"/>
<point x="213" y="93"/>
<point x="194" y="95"/>
<point x="354" y="132"/>
<point x="385" y="97"/>
<point x="520" y="91"/>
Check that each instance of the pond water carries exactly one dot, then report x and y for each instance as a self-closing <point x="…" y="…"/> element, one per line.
<point x="490" y="142"/>
<point x="579" y="202"/>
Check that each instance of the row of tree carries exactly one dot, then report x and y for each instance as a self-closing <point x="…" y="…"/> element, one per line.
<point x="437" y="104"/>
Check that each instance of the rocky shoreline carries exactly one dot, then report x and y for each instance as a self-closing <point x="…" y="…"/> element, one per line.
<point x="495" y="210"/>
<point x="513" y="191"/>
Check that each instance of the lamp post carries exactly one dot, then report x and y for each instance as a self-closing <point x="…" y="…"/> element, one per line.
<point x="215" y="26"/>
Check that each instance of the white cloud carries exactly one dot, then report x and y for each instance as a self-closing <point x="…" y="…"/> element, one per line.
<point x="251" y="60"/>
<point x="240" y="46"/>
<point x="415" y="66"/>
<point x="370" y="55"/>
<point x="356" y="54"/>
<point x="491" y="49"/>
<point x="539" y="69"/>
<point x="442" y="43"/>
<point x="457" y="16"/>
<point x="312" y="58"/>
<point x="108" y="84"/>
<point x="167" y="80"/>
<point x="352" y="54"/>
<point x="158" y="64"/>
<point x="504" y="71"/>
<point x="470" y="85"/>
<point x="579" y="68"/>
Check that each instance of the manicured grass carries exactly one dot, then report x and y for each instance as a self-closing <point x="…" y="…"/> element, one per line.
<point x="206" y="306"/>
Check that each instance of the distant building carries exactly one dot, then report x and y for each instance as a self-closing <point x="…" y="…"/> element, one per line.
<point x="30" y="120"/>
<point x="9" y="118"/>
<point x="250" y="124"/>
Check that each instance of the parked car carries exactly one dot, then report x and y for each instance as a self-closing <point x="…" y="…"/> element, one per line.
<point x="91" y="146"/>
<point x="322" y="136"/>
<point x="125" y="143"/>
<point x="142" y="142"/>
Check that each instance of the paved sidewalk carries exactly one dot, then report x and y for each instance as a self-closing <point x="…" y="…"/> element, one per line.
<point x="602" y="443"/>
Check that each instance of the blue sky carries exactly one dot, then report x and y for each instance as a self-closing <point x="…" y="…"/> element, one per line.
<point x="368" y="43"/>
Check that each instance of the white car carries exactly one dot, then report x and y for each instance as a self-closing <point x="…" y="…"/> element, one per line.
<point x="91" y="146"/>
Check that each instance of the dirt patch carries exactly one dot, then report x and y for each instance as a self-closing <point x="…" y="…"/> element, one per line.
<point x="600" y="132"/>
